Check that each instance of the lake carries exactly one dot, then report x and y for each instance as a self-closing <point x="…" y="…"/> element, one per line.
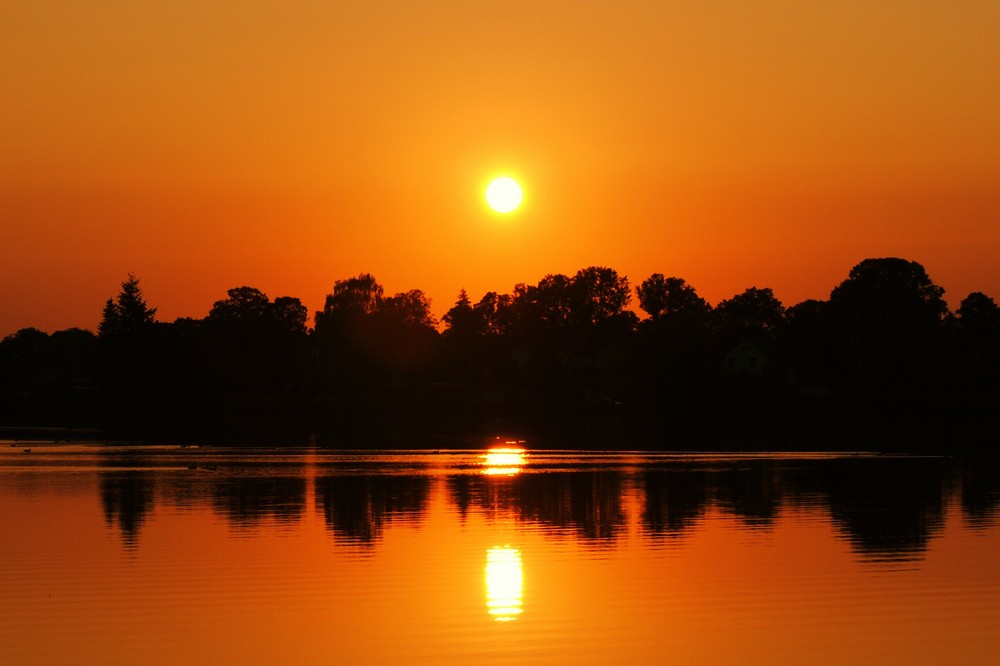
<point x="167" y="555"/>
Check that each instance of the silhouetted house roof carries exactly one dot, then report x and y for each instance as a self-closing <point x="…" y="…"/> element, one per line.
<point x="745" y="358"/>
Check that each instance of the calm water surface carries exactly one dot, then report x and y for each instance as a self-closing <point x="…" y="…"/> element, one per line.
<point x="206" y="555"/>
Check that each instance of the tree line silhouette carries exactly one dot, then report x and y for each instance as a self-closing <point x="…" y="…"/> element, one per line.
<point x="883" y="362"/>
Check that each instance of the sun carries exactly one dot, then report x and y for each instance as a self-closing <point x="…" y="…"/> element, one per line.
<point x="503" y="195"/>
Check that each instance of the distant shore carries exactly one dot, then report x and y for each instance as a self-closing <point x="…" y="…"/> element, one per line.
<point x="790" y="421"/>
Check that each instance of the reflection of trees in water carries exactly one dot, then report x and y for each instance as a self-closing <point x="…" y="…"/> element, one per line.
<point x="677" y="496"/>
<point x="803" y="484"/>
<point x="357" y="508"/>
<point x="246" y="500"/>
<point x="751" y="490"/>
<point x="675" y="500"/>
<point x="464" y="490"/>
<point x="188" y="489"/>
<point x="980" y="494"/>
<point x="888" y="508"/>
<point x="126" y="497"/>
<point x="589" y="503"/>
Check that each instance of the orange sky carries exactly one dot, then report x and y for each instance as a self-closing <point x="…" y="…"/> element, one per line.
<point x="205" y="146"/>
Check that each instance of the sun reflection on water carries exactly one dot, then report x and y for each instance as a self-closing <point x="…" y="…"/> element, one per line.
<point x="505" y="461"/>
<point x="504" y="583"/>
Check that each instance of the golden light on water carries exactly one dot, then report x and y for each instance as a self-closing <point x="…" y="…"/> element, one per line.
<point x="505" y="461"/>
<point x="504" y="583"/>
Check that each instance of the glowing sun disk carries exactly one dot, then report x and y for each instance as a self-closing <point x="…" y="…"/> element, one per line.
<point x="503" y="194"/>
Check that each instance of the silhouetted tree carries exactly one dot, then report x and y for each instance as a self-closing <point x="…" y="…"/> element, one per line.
<point x="243" y="305"/>
<point x="811" y="343"/>
<point x="368" y="343"/>
<point x="593" y="295"/>
<point x="979" y="313"/>
<point x="351" y="300"/>
<point x="752" y="311"/>
<point x="23" y="344"/>
<point x="889" y="314"/>
<point x="256" y="344"/>
<point x="566" y="342"/>
<point x="548" y="303"/>
<point x="889" y="296"/>
<point x="339" y="334"/>
<point x="468" y="341"/>
<point x="483" y="348"/>
<point x="461" y="320"/>
<point x="495" y="312"/>
<point x="598" y="294"/>
<point x="290" y="314"/>
<point x="74" y="355"/>
<point x="564" y="356"/>
<point x="671" y="353"/>
<point x="976" y="343"/>
<point x="129" y="315"/>
<point x="248" y="310"/>
<point x="408" y="309"/>
<point x="671" y="296"/>
<point x="125" y="334"/>
<point x="399" y="336"/>
<point x="21" y="356"/>
<point x="808" y="315"/>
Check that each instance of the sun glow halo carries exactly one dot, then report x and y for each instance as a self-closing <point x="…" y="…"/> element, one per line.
<point x="504" y="194"/>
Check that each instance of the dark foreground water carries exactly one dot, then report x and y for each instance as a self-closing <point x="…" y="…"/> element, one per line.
<point x="213" y="556"/>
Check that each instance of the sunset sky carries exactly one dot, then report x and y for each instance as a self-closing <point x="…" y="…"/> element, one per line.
<point x="285" y="145"/>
